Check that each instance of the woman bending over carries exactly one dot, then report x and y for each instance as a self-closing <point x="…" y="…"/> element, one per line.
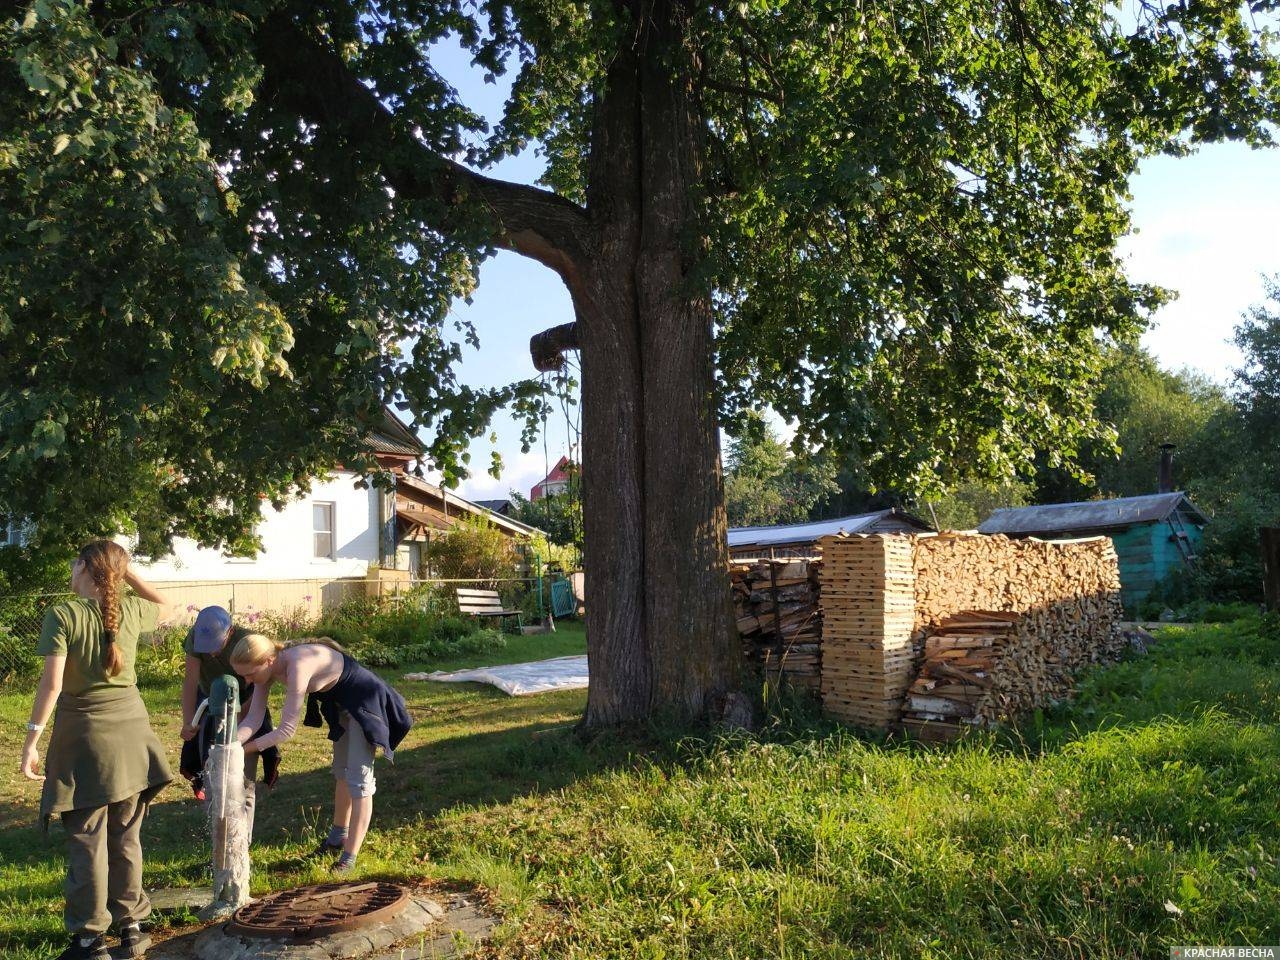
<point x="361" y="710"/>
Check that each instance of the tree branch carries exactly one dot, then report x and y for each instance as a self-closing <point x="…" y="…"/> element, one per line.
<point x="547" y="348"/>
<point x="750" y="92"/>
<point x="306" y="76"/>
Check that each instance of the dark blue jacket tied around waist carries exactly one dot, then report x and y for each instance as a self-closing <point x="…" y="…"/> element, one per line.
<point x="379" y="709"/>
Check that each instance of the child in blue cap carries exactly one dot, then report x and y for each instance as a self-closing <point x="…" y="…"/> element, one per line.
<point x="208" y="647"/>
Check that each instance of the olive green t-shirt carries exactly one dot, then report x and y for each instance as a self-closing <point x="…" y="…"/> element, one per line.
<point x="74" y="630"/>
<point x="214" y="665"/>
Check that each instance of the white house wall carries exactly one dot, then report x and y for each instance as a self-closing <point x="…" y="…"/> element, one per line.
<point x="288" y="551"/>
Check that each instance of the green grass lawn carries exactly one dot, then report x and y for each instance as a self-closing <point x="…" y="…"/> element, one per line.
<point x="1145" y="814"/>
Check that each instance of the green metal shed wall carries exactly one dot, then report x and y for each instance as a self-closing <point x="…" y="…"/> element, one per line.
<point x="1139" y="570"/>
<point x="1148" y="554"/>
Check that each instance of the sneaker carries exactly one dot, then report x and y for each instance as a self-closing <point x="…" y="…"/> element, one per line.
<point x="133" y="943"/>
<point x="345" y="864"/>
<point x="95" y="949"/>
<point x="325" y="851"/>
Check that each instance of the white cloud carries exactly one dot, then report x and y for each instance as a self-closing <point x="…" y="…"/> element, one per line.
<point x="520" y="472"/>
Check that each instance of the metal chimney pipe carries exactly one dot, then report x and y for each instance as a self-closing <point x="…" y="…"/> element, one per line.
<point x="1166" y="467"/>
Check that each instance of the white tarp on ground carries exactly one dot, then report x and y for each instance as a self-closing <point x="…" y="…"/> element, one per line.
<point x="519" y="679"/>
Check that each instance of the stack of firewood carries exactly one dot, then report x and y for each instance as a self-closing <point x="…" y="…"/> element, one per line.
<point x="980" y="628"/>
<point x="961" y="656"/>
<point x="1003" y="626"/>
<point x="955" y="572"/>
<point x="776" y="603"/>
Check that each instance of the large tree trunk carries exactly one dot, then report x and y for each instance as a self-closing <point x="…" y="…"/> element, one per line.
<point x="659" y="619"/>
<point x="689" y="617"/>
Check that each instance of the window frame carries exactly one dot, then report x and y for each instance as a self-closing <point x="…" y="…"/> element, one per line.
<point x="330" y="508"/>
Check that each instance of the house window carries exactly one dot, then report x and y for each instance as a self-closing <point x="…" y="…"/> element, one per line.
<point x="322" y="529"/>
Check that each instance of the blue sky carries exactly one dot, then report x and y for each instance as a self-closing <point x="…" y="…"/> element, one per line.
<point x="1206" y="226"/>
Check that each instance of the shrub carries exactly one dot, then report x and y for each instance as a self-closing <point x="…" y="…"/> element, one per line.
<point x="398" y="627"/>
<point x="1231" y="556"/>
<point x="528" y="603"/>
<point x="348" y="624"/>
<point x="485" y="640"/>
<point x="376" y="655"/>
<point x="473" y="550"/>
<point x="28" y="570"/>
<point x="376" y="634"/>
<point x="17" y="656"/>
<point x="1269" y="630"/>
<point x="451" y="630"/>
<point x="160" y="657"/>
<point x="285" y="624"/>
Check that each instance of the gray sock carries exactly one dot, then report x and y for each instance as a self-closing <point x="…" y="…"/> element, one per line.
<point x="336" y="836"/>
<point x="347" y="859"/>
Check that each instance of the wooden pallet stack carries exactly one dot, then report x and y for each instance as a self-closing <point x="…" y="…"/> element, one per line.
<point x="868" y="611"/>
<point x="776" y="603"/>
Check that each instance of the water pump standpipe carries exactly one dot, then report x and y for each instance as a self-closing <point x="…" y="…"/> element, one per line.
<point x="224" y="777"/>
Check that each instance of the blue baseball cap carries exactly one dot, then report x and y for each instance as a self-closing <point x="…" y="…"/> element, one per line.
<point x="210" y="630"/>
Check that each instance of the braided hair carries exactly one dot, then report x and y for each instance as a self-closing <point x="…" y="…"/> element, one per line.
<point x="106" y="562"/>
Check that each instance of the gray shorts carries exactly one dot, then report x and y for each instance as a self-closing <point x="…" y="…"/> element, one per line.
<point x="353" y="758"/>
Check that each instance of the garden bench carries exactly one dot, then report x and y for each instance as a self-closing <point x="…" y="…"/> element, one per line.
<point x="485" y="603"/>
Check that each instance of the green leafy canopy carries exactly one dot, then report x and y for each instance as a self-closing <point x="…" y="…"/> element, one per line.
<point x="766" y="484"/>
<point x="907" y="223"/>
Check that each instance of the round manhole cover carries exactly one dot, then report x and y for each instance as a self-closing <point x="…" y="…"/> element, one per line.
<point x="309" y="912"/>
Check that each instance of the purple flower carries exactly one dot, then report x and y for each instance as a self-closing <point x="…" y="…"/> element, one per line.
<point x="192" y="606"/>
<point x="307" y="598"/>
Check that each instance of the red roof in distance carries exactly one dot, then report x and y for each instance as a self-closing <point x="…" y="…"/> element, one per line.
<point x="554" y="482"/>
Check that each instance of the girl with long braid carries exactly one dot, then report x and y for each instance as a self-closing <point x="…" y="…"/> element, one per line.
<point x="104" y="763"/>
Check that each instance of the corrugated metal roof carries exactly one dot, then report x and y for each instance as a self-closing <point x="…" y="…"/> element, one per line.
<point x="380" y="443"/>
<point x="810" y="532"/>
<point x="393" y="436"/>
<point x="1089" y="515"/>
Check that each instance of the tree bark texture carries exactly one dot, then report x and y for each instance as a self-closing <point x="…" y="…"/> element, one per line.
<point x="660" y="629"/>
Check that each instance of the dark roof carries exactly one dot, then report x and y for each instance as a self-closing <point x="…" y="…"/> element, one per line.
<point x="1090" y="515"/>
<point x="393" y="436"/>
<point x="497" y="506"/>
<point x="889" y="520"/>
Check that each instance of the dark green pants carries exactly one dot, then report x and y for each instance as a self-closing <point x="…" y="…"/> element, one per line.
<point x="104" y="867"/>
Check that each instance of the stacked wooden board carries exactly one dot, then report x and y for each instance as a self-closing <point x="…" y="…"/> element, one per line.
<point x="897" y="608"/>
<point x="868" y="612"/>
<point x="776" y="603"/>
